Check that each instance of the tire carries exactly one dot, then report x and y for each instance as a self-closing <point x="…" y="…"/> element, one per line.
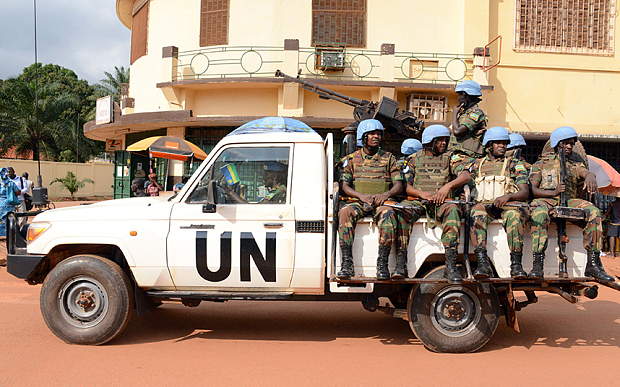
<point x="106" y="293"/>
<point x="475" y="308"/>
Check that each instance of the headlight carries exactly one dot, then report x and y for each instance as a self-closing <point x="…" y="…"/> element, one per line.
<point x="35" y="230"/>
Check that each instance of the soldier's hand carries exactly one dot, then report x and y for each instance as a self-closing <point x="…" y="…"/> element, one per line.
<point x="367" y="199"/>
<point x="441" y="195"/>
<point x="561" y="188"/>
<point x="426" y="196"/>
<point x="381" y="198"/>
<point x="501" y="201"/>
<point x="457" y="109"/>
<point x="590" y="183"/>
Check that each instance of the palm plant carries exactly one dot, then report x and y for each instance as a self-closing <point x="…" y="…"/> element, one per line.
<point x="112" y="84"/>
<point x="18" y="122"/>
<point x="71" y="183"/>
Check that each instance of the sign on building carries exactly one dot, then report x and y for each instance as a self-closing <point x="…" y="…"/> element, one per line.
<point x="105" y="110"/>
<point x="113" y="145"/>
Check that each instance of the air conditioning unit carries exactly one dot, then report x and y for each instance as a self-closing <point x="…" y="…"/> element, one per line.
<point x="330" y="56"/>
<point x="428" y="107"/>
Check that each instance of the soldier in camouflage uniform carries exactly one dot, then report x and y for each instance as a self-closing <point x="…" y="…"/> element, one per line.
<point x="370" y="177"/>
<point x="547" y="188"/>
<point x="501" y="190"/>
<point x="432" y="178"/>
<point x="515" y="149"/>
<point x="468" y="124"/>
<point x="403" y="229"/>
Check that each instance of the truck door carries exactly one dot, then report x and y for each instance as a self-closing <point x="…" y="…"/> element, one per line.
<point x="249" y="241"/>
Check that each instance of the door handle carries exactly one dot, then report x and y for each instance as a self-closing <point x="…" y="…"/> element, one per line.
<point x="273" y="225"/>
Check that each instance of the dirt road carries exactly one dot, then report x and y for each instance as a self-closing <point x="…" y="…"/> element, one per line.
<point x="243" y="343"/>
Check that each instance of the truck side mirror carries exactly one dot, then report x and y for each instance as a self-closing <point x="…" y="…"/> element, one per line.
<point x="211" y="205"/>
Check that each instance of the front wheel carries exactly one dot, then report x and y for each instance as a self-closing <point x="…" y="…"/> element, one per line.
<point x="453" y="318"/>
<point x="86" y="300"/>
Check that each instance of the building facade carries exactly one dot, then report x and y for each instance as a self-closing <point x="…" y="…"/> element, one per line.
<point x="200" y="68"/>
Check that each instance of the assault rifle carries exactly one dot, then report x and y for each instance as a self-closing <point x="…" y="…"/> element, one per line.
<point x="561" y="222"/>
<point x="386" y="111"/>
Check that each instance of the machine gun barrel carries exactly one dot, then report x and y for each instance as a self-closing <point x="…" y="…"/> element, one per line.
<point x="386" y="111"/>
<point x="323" y="92"/>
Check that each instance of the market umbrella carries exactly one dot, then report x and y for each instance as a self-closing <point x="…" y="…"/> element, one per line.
<point x="272" y="124"/>
<point x="607" y="178"/>
<point x="168" y="147"/>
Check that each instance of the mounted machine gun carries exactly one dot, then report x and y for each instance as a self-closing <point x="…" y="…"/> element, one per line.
<point x="386" y="111"/>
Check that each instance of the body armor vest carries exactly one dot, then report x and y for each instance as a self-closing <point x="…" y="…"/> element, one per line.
<point x="430" y="173"/>
<point x="371" y="176"/>
<point x="492" y="182"/>
<point x="550" y="176"/>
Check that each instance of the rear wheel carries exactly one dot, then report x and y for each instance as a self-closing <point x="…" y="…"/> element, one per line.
<point x="453" y="318"/>
<point x="86" y="300"/>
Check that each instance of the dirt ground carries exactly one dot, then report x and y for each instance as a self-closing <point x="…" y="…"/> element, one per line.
<point x="279" y="343"/>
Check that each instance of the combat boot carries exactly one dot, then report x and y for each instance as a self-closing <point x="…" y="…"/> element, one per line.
<point x="537" y="267"/>
<point x="516" y="267"/>
<point x="484" y="269"/>
<point x="451" y="272"/>
<point x="400" y="271"/>
<point x="594" y="267"/>
<point x="382" y="263"/>
<point x="346" y="268"/>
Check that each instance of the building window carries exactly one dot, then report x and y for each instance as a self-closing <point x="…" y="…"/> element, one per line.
<point x="568" y="26"/>
<point x="214" y="22"/>
<point x="339" y="21"/>
<point x="139" y="32"/>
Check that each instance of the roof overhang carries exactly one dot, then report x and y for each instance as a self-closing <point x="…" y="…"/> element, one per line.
<point x="124" y="11"/>
<point x="144" y="122"/>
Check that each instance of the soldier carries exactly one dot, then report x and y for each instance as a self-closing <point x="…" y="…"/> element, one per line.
<point x="501" y="185"/>
<point x="370" y="176"/>
<point x="515" y="149"/>
<point x="547" y="188"/>
<point x="274" y="177"/>
<point x="432" y="178"/>
<point x="468" y="124"/>
<point x="403" y="229"/>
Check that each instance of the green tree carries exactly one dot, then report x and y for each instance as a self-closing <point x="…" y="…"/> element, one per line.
<point x="18" y="121"/>
<point x="111" y="85"/>
<point x="71" y="183"/>
<point x="69" y="137"/>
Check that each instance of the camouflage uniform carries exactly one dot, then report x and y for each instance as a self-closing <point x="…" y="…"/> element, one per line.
<point x="513" y="219"/>
<point x="469" y="147"/>
<point x="546" y="171"/>
<point x="374" y="171"/>
<point x="275" y="195"/>
<point x="430" y="173"/>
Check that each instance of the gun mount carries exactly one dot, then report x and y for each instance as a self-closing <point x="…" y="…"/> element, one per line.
<point x="386" y="111"/>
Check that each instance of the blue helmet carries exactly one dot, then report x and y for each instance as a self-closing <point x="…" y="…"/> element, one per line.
<point x="496" y="133"/>
<point x="434" y="131"/>
<point x="469" y="87"/>
<point x="410" y="146"/>
<point x="516" y="140"/>
<point x="274" y="166"/>
<point x="561" y="134"/>
<point x="366" y="126"/>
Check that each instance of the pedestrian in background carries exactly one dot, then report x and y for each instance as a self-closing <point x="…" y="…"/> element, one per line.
<point x="8" y="201"/>
<point x="153" y="188"/>
<point x="28" y="195"/>
<point x="20" y="182"/>
<point x="614" y="225"/>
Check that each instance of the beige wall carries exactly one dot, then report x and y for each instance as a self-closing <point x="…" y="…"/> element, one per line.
<point x="538" y="92"/>
<point x="101" y="173"/>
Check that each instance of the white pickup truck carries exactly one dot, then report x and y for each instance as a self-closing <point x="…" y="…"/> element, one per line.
<point x="99" y="263"/>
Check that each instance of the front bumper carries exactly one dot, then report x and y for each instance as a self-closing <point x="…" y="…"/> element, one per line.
<point x="22" y="265"/>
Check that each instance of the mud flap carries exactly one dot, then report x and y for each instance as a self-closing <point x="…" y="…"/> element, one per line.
<point x="511" y="310"/>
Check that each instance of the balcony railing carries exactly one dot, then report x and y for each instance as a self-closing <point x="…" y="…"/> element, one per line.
<point x="354" y="64"/>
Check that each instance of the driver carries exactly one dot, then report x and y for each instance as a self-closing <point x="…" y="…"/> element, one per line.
<point x="274" y="179"/>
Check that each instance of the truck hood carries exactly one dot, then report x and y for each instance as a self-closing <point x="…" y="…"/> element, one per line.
<point x="119" y="209"/>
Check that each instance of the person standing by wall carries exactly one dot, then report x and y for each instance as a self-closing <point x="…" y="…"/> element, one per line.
<point x="8" y="200"/>
<point x="614" y="225"/>
<point x="22" y="186"/>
